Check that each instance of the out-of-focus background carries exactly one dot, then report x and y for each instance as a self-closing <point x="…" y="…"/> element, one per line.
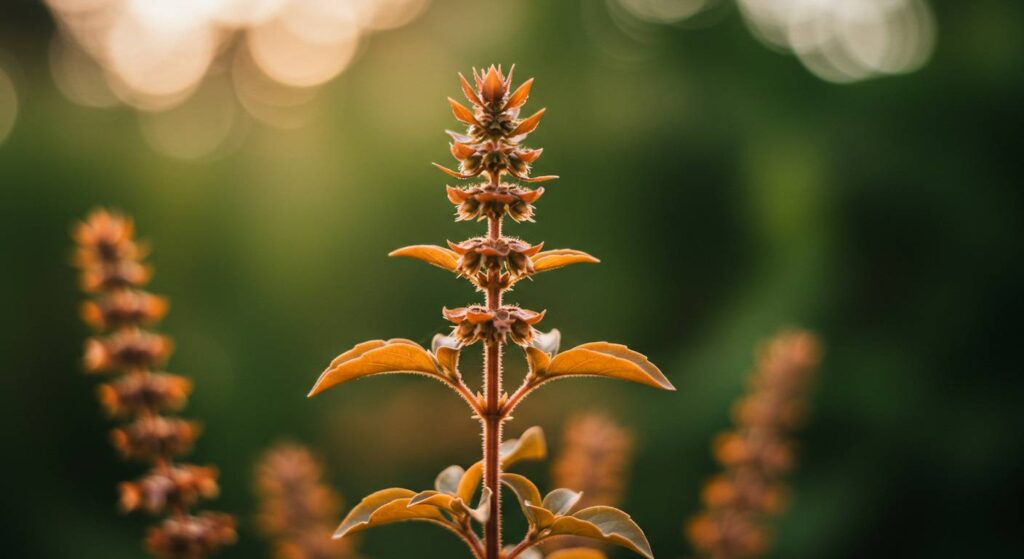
<point x="849" y="166"/>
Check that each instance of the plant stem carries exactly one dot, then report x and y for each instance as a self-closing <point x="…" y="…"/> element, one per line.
<point x="492" y="418"/>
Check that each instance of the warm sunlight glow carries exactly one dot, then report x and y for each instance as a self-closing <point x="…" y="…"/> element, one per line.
<point x="154" y="55"/>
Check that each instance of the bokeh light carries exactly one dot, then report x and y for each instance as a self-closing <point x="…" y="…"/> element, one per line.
<point x="840" y="41"/>
<point x="846" y="40"/>
<point x="156" y="55"/>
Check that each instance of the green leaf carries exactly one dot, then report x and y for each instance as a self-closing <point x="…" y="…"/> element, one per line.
<point x="603" y="359"/>
<point x="377" y="357"/>
<point x="387" y="506"/>
<point x="561" y="501"/>
<point x="607" y="524"/>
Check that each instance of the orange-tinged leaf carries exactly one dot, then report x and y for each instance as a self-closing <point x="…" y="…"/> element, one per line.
<point x="470" y="482"/>
<point x="634" y="357"/>
<point x="386" y="506"/>
<point x="455" y="174"/>
<point x="561" y="257"/>
<point x="432" y="498"/>
<point x="494" y="85"/>
<point x="431" y="254"/>
<point x="526" y="493"/>
<point x="529" y="124"/>
<point x="561" y="501"/>
<point x="538" y="358"/>
<point x="531" y="155"/>
<point x="542" y="178"/>
<point x="448" y="358"/>
<point x="462" y="113"/>
<point x="531" y="445"/>
<point x="519" y="96"/>
<point x="461" y="151"/>
<point x="379" y="357"/>
<point x="603" y="359"/>
<point x="467" y="90"/>
<point x="541" y="515"/>
<point x="577" y="553"/>
<point x="607" y="524"/>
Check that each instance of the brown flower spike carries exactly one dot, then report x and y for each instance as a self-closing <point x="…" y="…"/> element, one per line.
<point x="756" y="455"/>
<point x="296" y="509"/>
<point x="109" y="258"/>
<point x="492" y="150"/>
<point x="596" y="459"/>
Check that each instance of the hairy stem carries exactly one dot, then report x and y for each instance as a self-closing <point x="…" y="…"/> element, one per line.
<point x="492" y="417"/>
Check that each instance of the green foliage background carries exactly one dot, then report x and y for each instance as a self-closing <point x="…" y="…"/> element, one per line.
<point x="728" y="192"/>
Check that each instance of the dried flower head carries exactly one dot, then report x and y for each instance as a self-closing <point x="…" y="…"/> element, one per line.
<point x="123" y="307"/>
<point x="480" y="202"/>
<point x="109" y="258"/>
<point x="191" y="537"/>
<point x="492" y="148"/>
<point x="134" y="394"/>
<point x="177" y="487"/>
<point x="757" y="453"/>
<point x="297" y="509"/>
<point x="476" y="322"/>
<point x="151" y="438"/>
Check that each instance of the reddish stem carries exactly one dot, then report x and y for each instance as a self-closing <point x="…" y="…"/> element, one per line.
<point x="492" y="418"/>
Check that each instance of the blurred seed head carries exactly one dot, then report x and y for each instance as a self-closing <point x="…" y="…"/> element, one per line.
<point x="757" y="453"/>
<point x="297" y="510"/>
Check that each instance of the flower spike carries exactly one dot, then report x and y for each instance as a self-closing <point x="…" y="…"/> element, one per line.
<point x="491" y="151"/>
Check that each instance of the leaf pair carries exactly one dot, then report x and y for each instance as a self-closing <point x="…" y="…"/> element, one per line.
<point x="448" y="259"/>
<point x="446" y="504"/>
<point x="550" y="517"/>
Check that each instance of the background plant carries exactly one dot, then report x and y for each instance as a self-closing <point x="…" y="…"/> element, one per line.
<point x="757" y="454"/>
<point x="596" y="459"/>
<point x="113" y="270"/>
<point x="725" y="189"/>
<point x="297" y="508"/>
<point x="492" y="148"/>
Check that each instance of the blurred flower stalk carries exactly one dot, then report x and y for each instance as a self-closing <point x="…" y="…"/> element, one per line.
<point x="296" y="508"/>
<point x="757" y="453"/>
<point x="112" y="269"/>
